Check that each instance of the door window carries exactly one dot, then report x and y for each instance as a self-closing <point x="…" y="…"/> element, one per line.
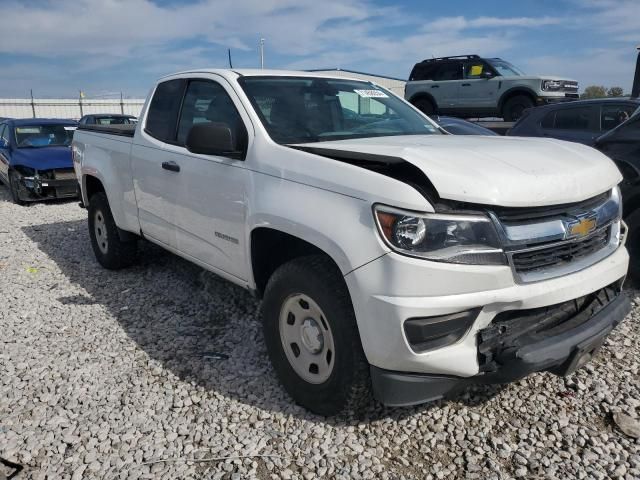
<point x="613" y="115"/>
<point x="474" y="70"/>
<point x="163" y="111"/>
<point x="423" y="71"/>
<point x="630" y="131"/>
<point x="449" y="71"/>
<point x="207" y="102"/>
<point x="573" y="119"/>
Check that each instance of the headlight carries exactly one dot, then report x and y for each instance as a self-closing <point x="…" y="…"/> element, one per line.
<point x="25" y="171"/>
<point x="468" y="239"/>
<point x="551" y="85"/>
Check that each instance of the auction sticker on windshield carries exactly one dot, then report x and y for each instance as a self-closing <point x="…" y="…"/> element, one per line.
<point x="371" y="93"/>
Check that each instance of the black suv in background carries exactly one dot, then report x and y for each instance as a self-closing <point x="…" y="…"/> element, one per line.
<point x="622" y="145"/>
<point x="471" y="86"/>
<point x="581" y="121"/>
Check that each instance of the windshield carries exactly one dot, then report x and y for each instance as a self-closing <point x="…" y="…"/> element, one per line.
<point x="115" y="121"/>
<point x="505" y="69"/>
<point x="38" y="136"/>
<point x="302" y="110"/>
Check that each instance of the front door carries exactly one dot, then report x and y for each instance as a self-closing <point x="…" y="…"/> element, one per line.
<point x="211" y="197"/>
<point x="478" y="92"/>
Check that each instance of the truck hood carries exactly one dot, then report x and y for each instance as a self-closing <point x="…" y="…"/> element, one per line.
<point x="536" y="77"/>
<point x="44" y="158"/>
<point x="504" y="171"/>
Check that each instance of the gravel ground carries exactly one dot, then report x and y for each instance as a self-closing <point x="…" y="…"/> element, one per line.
<point x="135" y="374"/>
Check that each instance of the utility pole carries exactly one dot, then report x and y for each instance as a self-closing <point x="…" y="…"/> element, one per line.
<point x="121" y="104"/>
<point x="635" y="90"/>
<point x="262" y="53"/>
<point x="33" y="105"/>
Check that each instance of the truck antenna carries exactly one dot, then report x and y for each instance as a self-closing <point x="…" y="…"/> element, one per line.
<point x="229" y="54"/>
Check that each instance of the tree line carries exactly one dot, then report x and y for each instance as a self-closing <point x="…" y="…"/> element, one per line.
<point x="599" y="91"/>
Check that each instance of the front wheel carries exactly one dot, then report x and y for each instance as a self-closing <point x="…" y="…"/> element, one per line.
<point x="13" y="188"/>
<point x="110" y="250"/>
<point x="312" y="338"/>
<point x="515" y="107"/>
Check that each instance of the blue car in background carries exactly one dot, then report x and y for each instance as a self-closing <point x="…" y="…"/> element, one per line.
<point x="35" y="159"/>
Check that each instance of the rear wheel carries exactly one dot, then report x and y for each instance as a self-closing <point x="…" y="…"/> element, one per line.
<point x="425" y="105"/>
<point x="13" y="188"/>
<point x="312" y="338"/>
<point x="110" y="250"/>
<point x="515" y="107"/>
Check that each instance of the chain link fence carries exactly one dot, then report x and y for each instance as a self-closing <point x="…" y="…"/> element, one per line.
<point x="66" y="108"/>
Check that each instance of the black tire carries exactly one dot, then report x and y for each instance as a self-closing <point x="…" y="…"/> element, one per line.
<point x="348" y="387"/>
<point x="114" y="253"/>
<point x="13" y="188"/>
<point x="515" y="107"/>
<point x="426" y="106"/>
<point x="633" y="244"/>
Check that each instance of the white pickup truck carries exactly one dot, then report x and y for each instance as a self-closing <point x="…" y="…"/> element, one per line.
<point x="391" y="257"/>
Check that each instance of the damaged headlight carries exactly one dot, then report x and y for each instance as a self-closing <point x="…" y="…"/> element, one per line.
<point x="453" y="238"/>
<point x="24" y="171"/>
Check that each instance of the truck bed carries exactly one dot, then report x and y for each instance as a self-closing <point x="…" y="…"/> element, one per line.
<point x="120" y="130"/>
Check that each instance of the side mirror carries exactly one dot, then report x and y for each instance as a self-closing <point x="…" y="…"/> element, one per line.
<point x="212" y="139"/>
<point x="487" y="74"/>
<point x="4" y="143"/>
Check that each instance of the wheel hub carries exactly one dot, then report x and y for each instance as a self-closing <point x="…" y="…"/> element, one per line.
<point x="306" y="338"/>
<point x="312" y="336"/>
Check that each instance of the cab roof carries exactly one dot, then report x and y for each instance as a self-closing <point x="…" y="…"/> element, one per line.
<point x="235" y="73"/>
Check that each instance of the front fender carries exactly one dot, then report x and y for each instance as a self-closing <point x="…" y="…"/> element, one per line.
<point x="341" y="226"/>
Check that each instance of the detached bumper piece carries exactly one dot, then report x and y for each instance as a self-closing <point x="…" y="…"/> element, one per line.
<point x="48" y="185"/>
<point x="559" y="339"/>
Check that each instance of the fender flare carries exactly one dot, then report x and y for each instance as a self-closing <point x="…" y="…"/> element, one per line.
<point x="428" y="96"/>
<point x="515" y="91"/>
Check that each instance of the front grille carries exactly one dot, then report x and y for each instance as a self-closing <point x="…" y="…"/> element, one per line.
<point x="518" y="214"/>
<point x="560" y="254"/>
<point x="64" y="174"/>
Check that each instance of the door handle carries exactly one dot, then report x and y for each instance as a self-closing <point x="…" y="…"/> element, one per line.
<point x="465" y="85"/>
<point x="171" y="166"/>
<point x="435" y="86"/>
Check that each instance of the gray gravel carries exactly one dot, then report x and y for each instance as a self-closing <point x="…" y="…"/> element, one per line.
<point x="103" y="374"/>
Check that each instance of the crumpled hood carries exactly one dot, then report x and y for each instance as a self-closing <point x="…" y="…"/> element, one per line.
<point x="44" y="158"/>
<point x="491" y="170"/>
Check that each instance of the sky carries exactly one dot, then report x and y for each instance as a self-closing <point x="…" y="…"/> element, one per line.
<point x="104" y="47"/>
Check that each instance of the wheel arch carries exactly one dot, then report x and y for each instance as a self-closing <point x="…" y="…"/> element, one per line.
<point x="423" y="95"/>
<point x="272" y="247"/>
<point x="514" y="91"/>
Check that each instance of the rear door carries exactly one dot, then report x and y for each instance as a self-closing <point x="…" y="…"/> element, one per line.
<point x="446" y="84"/>
<point x="154" y="166"/>
<point x="575" y="124"/>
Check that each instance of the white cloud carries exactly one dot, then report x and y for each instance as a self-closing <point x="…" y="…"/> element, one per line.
<point x="91" y="38"/>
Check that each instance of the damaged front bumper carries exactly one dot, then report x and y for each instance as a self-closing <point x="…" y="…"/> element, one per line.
<point x="560" y="339"/>
<point x="47" y="185"/>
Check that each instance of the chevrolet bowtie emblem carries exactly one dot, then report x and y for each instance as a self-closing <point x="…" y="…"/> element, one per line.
<point x="582" y="227"/>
